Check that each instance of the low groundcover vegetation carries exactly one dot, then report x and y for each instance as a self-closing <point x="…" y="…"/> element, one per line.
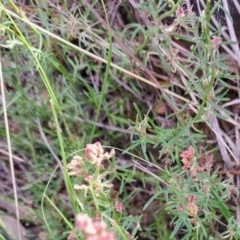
<point x="120" y="120"/>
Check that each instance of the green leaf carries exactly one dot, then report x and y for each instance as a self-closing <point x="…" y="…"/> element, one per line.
<point x="222" y="207"/>
<point x="139" y="114"/>
<point x="151" y="199"/>
<point x="192" y="40"/>
<point x="176" y="228"/>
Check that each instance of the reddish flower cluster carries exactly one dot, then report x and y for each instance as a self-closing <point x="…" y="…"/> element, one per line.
<point x="119" y="206"/>
<point x="190" y="163"/>
<point x="216" y="41"/>
<point x="192" y="208"/>
<point x="191" y="198"/>
<point x="92" y="230"/>
<point x="180" y="12"/>
<point x="187" y="157"/>
<point x="189" y="153"/>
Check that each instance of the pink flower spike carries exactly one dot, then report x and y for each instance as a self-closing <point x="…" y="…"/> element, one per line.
<point x="181" y="209"/>
<point x="100" y="227"/>
<point x="119" y="206"/>
<point x="216" y="41"/>
<point x="180" y="12"/>
<point x="108" y="236"/>
<point x="231" y="191"/>
<point x="188" y="154"/>
<point x="72" y="236"/>
<point x="191" y="198"/>
<point x="84" y="222"/>
<point x="192" y="209"/>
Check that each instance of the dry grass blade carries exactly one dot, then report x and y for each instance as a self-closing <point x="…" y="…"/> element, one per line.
<point x="146" y="170"/>
<point x="221" y="143"/>
<point x="232" y="33"/>
<point x="10" y="153"/>
<point x="14" y="156"/>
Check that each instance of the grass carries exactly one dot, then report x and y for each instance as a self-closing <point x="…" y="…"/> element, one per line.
<point x="156" y="88"/>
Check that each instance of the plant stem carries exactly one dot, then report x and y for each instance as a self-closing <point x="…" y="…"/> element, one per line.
<point x="173" y="10"/>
